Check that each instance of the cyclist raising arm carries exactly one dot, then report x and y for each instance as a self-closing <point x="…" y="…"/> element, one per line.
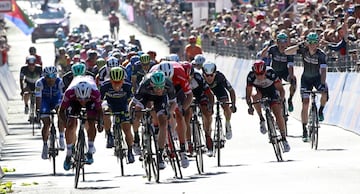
<point x="267" y="84"/>
<point x="314" y="75"/>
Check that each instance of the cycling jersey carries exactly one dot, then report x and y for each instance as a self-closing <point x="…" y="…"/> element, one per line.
<point x="280" y="61"/>
<point x="114" y="20"/>
<point x="117" y="100"/>
<point x="199" y="86"/>
<point x="180" y="79"/>
<point x="145" y="93"/>
<point x="265" y="86"/>
<point x="30" y="77"/>
<point x="50" y="96"/>
<point x="220" y="85"/>
<point x="138" y="72"/>
<point x="312" y="63"/>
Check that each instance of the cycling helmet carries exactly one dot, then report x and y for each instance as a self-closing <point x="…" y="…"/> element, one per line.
<point x="116" y="55"/>
<point x="209" y="68"/>
<point x="145" y="58"/>
<point x="152" y="54"/>
<point x="30" y="59"/>
<point x="187" y="67"/>
<point x="199" y="59"/>
<point x="167" y="68"/>
<point x="78" y="69"/>
<point x="100" y="62"/>
<point x="134" y="59"/>
<point x="117" y="73"/>
<point x="32" y="49"/>
<point x="130" y="54"/>
<point x="92" y="54"/>
<point x="158" y="78"/>
<point x="112" y="62"/>
<point x="50" y="71"/>
<point x="192" y="39"/>
<point x="140" y="53"/>
<point x="282" y="37"/>
<point x="173" y="57"/>
<point x="83" y="90"/>
<point x="312" y="37"/>
<point x="259" y="67"/>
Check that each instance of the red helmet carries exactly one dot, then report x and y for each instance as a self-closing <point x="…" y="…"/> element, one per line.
<point x="192" y="39"/>
<point x="187" y="67"/>
<point x="259" y="67"/>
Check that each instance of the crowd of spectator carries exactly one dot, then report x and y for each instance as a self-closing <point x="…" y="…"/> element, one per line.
<point x="253" y="25"/>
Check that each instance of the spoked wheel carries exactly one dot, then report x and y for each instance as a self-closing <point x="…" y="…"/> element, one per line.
<point x="314" y="130"/>
<point x="285" y="115"/>
<point x="274" y="140"/>
<point x="120" y="154"/>
<point x="78" y="162"/>
<point x="218" y="142"/>
<point x="174" y="156"/>
<point x="53" y="152"/>
<point x="198" y="148"/>
<point x="155" y="157"/>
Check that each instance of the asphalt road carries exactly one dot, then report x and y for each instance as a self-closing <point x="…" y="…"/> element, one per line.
<point x="248" y="161"/>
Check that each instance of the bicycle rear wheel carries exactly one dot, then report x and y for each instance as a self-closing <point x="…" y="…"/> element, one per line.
<point x="198" y="146"/>
<point x="155" y="159"/>
<point x="174" y="156"/>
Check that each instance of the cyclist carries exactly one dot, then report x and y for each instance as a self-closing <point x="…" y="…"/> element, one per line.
<point x="191" y="50"/>
<point x="139" y="70"/>
<point x="267" y="84"/>
<point x="29" y="74"/>
<point x="114" y="23"/>
<point x="100" y="62"/>
<point x="184" y="96"/>
<point x="63" y="60"/>
<point x="205" y="98"/>
<point x="117" y="94"/>
<point x="82" y="92"/>
<point x="314" y="75"/>
<point x="198" y="61"/>
<point x="77" y="69"/>
<point x="135" y="42"/>
<point x="158" y="90"/>
<point x="48" y="92"/>
<point x="282" y="64"/>
<point x="32" y="51"/>
<point x="152" y="55"/>
<point x="91" y="61"/>
<point x="104" y="72"/>
<point x="220" y="86"/>
<point x="58" y="43"/>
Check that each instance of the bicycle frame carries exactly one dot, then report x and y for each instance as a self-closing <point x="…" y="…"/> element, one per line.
<point x="313" y="124"/>
<point x="273" y="135"/>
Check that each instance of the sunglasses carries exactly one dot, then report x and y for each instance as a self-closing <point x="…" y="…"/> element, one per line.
<point x="159" y="87"/>
<point x="51" y="76"/>
<point x="312" y="42"/>
<point x="282" y="40"/>
<point x="209" y="75"/>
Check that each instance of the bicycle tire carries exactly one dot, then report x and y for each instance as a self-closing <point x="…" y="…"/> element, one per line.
<point x="314" y="128"/>
<point x="155" y="160"/>
<point x="79" y="154"/>
<point x="146" y="156"/>
<point x="218" y="141"/>
<point x="118" y="146"/>
<point x="174" y="157"/>
<point x="273" y="136"/>
<point x="53" y="149"/>
<point x="198" y="145"/>
<point x="285" y="115"/>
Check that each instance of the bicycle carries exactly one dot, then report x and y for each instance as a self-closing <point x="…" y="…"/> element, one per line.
<point x="274" y="137"/>
<point x="32" y="112"/>
<point x="79" y="152"/>
<point x="54" y="145"/>
<point x="172" y="154"/>
<point x="198" y="137"/>
<point x="120" y="144"/>
<point x="219" y="137"/>
<point x="313" y="124"/>
<point x="149" y="153"/>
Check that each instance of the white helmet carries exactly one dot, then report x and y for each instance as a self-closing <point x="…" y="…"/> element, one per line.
<point x="199" y="59"/>
<point x="112" y="62"/>
<point x="173" y="57"/>
<point x="209" y="68"/>
<point x="83" y="90"/>
<point x="50" y="71"/>
<point x="167" y="68"/>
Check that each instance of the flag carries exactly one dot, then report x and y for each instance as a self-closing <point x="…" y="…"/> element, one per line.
<point x="20" y="19"/>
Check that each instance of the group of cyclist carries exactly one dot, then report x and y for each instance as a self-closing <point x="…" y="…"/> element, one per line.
<point x="115" y="77"/>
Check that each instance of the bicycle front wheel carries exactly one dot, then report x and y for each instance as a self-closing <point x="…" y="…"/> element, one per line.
<point x="273" y="137"/>
<point x="198" y="146"/>
<point x="154" y="160"/>
<point x="314" y="132"/>
<point x="217" y="140"/>
<point x="79" y="158"/>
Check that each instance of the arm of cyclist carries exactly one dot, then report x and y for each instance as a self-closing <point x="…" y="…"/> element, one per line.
<point x="233" y="100"/>
<point x="292" y="50"/>
<point x="281" y="90"/>
<point x="248" y="99"/>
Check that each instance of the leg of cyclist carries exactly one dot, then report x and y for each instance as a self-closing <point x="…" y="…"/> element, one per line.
<point x="227" y="114"/>
<point x="304" y="115"/>
<point x="257" y="107"/>
<point x="107" y="125"/>
<point x="276" y="109"/>
<point x="26" y="98"/>
<point x="324" y="98"/>
<point x="187" y="117"/>
<point x="135" y="126"/>
<point x="126" y="127"/>
<point x="92" y="115"/>
<point x="292" y="90"/>
<point x="45" y="134"/>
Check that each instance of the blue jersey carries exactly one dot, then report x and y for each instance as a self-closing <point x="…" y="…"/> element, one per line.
<point x="51" y="96"/>
<point x="117" y="100"/>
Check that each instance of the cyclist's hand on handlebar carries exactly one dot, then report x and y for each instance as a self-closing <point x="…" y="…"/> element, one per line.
<point x="233" y="108"/>
<point x="100" y="125"/>
<point x="251" y="110"/>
